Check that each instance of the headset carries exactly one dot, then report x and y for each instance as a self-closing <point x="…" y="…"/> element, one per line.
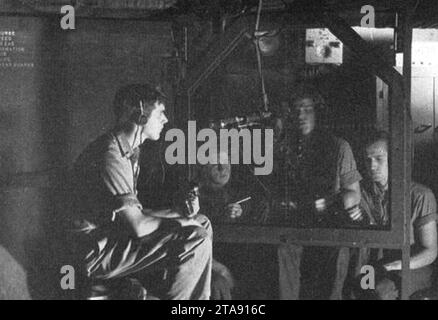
<point x="141" y="119"/>
<point x="140" y="116"/>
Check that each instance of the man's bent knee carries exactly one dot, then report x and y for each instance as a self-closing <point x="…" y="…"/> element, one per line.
<point x="206" y="224"/>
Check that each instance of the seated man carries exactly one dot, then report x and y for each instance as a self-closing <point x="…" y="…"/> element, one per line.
<point x="228" y="201"/>
<point x="219" y="199"/>
<point x="116" y="236"/>
<point x="374" y="206"/>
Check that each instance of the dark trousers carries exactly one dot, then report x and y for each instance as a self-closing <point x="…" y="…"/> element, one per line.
<point x="387" y="284"/>
<point x="312" y="273"/>
<point x="254" y="269"/>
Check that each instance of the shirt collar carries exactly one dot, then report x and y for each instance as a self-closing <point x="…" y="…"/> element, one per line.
<point x="125" y="148"/>
<point x="375" y="190"/>
<point x="312" y="136"/>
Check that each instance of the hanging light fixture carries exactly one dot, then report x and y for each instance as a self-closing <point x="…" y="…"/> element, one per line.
<point x="268" y="42"/>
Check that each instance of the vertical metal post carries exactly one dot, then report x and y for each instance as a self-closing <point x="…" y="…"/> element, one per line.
<point x="407" y="45"/>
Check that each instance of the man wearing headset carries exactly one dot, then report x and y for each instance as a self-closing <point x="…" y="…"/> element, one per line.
<point x="119" y="237"/>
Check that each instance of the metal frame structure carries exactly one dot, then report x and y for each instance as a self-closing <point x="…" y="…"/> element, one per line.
<point x="400" y="150"/>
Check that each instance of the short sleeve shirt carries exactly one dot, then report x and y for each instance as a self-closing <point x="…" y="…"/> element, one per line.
<point x="324" y="166"/>
<point x="423" y="206"/>
<point x="346" y="165"/>
<point x="104" y="181"/>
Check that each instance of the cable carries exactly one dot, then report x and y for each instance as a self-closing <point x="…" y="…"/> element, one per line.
<point x="135" y="137"/>
<point x="259" y="11"/>
<point x="259" y="57"/>
<point x="163" y="169"/>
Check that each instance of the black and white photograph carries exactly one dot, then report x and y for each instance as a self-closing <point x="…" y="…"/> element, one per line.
<point x="240" y="151"/>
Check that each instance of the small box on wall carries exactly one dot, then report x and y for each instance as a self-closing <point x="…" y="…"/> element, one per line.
<point x="323" y="47"/>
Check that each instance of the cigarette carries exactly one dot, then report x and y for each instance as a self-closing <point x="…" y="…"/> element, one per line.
<point x="243" y="200"/>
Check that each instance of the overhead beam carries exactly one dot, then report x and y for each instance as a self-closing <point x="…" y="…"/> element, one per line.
<point x="360" y="48"/>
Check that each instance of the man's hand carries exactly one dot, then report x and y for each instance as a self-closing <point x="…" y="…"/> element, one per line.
<point x="174" y="214"/>
<point x="387" y="290"/>
<point x="186" y="202"/>
<point x="320" y="205"/>
<point x="391" y="266"/>
<point x="192" y="204"/>
<point x="234" y="210"/>
<point x="355" y="213"/>
<point x="351" y="201"/>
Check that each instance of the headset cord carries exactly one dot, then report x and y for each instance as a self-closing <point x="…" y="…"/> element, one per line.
<point x="163" y="169"/>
